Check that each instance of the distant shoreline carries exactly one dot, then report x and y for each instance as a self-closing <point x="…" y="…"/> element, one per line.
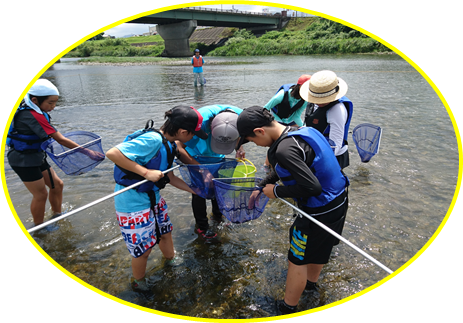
<point x="137" y="61"/>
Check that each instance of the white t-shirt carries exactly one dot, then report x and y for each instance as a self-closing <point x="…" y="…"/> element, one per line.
<point x="337" y="118"/>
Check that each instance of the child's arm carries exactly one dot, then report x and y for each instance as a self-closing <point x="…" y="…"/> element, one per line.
<point x="121" y="160"/>
<point x="179" y="183"/>
<point x="295" y="157"/>
<point x="62" y="140"/>
<point x="183" y="155"/>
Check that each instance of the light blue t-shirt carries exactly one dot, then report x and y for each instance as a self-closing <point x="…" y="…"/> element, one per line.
<point x="140" y="150"/>
<point x="201" y="147"/>
<point x="296" y="116"/>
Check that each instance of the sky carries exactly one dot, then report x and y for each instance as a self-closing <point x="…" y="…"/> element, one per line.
<point x="138" y="29"/>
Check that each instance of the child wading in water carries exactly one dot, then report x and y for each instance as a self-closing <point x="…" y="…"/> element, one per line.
<point x="305" y="163"/>
<point x="30" y="127"/>
<point x="142" y="212"/>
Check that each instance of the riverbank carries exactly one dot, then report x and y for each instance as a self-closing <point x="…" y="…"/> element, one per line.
<point x="133" y="61"/>
<point x="302" y="36"/>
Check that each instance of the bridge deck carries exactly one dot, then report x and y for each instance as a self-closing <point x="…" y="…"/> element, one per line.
<point x="214" y="17"/>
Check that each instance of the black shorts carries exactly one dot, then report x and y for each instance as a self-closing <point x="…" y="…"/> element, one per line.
<point x="31" y="174"/>
<point x="311" y="244"/>
<point x="343" y="159"/>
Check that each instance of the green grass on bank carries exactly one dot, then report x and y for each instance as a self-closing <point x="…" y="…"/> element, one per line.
<point x="152" y="61"/>
<point x="302" y="36"/>
<point x="144" y="39"/>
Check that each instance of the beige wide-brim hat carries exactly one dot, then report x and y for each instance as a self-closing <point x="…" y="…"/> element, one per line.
<point x="323" y="87"/>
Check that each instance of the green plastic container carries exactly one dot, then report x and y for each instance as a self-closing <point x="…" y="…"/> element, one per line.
<point x="248" y="171"/>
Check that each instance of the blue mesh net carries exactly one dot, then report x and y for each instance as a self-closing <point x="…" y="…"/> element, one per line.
<point x="239" y="199"/>
<point x="199" y="177"/>
<point x="78" y="160"/>
<point x="367" y="138"/>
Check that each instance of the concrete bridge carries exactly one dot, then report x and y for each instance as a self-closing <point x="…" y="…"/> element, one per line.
<point x="176" y="26"/>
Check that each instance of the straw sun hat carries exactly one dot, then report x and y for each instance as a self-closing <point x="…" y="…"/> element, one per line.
<point x="323" y="87"/>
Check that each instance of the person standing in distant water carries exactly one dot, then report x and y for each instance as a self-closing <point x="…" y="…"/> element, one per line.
<point x="198" y="61"/>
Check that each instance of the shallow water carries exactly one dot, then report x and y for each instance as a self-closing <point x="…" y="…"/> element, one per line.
<point x="397" y="200"/>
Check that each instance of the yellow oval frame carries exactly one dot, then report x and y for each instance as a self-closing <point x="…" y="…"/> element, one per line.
<point x="267" y="4"/>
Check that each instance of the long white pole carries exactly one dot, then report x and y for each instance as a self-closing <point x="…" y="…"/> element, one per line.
<point x="65" y="215"/>
<point x="376" y="262"/>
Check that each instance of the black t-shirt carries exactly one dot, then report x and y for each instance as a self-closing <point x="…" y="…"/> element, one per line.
<point x="29" y="122"/>
<point x="295" y="155"/>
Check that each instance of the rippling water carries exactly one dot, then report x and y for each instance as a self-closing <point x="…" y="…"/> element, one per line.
<point x="397" y="200"/>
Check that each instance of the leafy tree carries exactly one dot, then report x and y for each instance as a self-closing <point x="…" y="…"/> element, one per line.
<point x="245" y="34"/>
<point x="97" y="37"/>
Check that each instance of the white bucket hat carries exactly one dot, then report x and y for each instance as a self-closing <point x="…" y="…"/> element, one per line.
<point x="323" y="87"/>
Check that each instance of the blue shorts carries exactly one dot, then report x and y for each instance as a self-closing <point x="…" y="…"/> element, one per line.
<point x="139" y="228"/>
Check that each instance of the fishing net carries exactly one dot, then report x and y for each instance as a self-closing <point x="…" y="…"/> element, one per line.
<point x="199" y="177"/>
<point x="367" y="138"/>
<point x="239" y="199"/>
<point x="78" y="160"/>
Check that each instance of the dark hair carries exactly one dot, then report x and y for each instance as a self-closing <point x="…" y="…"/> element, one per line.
<point x="270" y="123"/>
<point x="169" y="127"/>
<point x="295" y="91"/>
<point x="40" y="99"/>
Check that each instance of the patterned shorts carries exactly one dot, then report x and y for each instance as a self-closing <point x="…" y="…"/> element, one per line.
<point x="310" y="244"/>
<point x="139" y="228"/>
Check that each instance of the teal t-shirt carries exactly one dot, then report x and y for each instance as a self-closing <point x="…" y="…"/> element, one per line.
<point x="201" y="147"/>
<point x="140" y="150"/>
<point x="296" y="116"/>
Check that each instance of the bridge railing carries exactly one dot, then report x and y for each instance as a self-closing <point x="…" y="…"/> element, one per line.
<point x="234" y="11"/>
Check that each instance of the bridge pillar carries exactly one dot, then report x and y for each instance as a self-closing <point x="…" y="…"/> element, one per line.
<point x="176" y="38"/>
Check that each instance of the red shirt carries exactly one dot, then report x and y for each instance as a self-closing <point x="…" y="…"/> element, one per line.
<point x="29" y="122"/>
<point x="42" y="120"/>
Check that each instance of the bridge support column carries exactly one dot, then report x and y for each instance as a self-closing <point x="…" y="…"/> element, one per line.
<point x="176" y="38"/>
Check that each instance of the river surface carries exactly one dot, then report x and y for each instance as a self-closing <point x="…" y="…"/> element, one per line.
<point x="397" y="200"/>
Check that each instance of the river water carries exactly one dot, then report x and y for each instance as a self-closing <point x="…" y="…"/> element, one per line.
<point x="397" y="200"/>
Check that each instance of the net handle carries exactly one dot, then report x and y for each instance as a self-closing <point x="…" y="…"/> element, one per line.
<point x="245" y="167"/>
<point x="244" y="161"/>
<point x="78" y="147"/>
<point x="65" y="215"/>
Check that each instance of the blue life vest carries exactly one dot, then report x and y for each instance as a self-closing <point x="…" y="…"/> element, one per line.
<point x="325" y="167"/>
<point x="161" y="161"/>
<point x="284" y="110"/>
<point x="322" y="124"/>
<point x="24" y="143"/>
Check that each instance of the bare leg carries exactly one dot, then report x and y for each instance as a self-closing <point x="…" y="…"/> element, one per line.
<point x="313" y="272"/>
<point x="167" y="246"/>
<point x="297" y="279"/>
<point x="39" y="199"/>
<point x="56" y="194"/>
<point x="139" y="265"/>
<point x="295" y="283"/>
